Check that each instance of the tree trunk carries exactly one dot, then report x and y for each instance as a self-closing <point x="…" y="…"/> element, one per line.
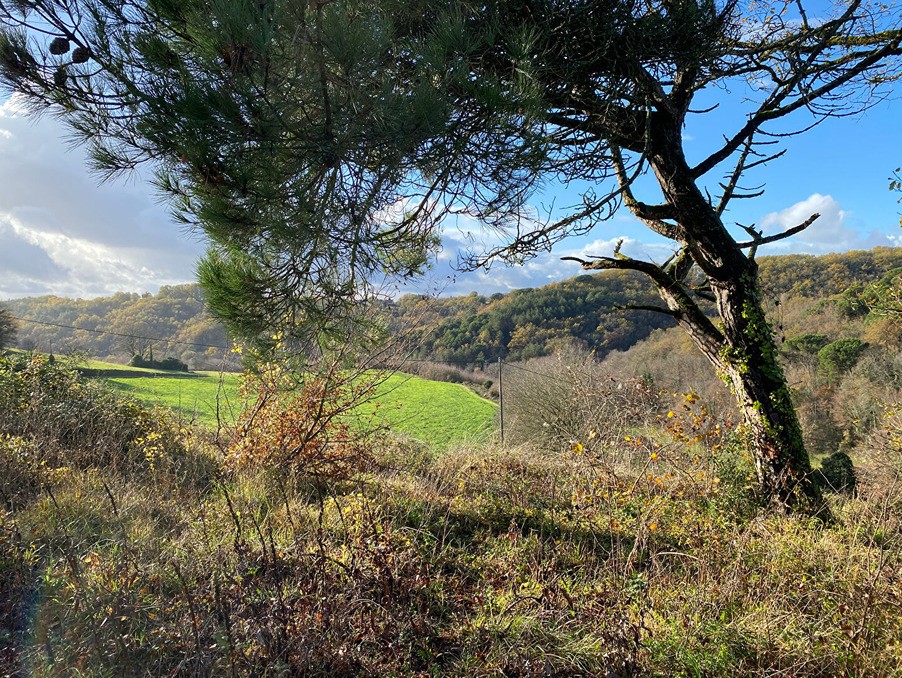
<point x="747" y="361"/>
<point x="742" y="347"/>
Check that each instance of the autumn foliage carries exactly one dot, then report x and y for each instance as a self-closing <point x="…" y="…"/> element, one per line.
<point x="300" y="426"/>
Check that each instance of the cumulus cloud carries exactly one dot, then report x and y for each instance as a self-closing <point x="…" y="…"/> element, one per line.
<point x="61" y="233"/>
<point x="833" y="231"/>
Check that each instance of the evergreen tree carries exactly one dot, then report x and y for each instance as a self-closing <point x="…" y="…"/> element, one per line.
<point x="7" y="328"/>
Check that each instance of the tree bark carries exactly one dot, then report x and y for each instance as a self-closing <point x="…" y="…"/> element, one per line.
<point x="742" y="347"/>
<point x="747" y="361"/>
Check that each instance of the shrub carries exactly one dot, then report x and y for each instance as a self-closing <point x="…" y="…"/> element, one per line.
<point x="880" y="452"/>
<point x="20" y="471"/>
<point x="807" y="344"/>
<point x="169" y="363"/>
<point x="837" y="473"/>
<point x="69" y="420"/>
<point x="555" y="401"/>
<point x="18" y="591"/>
<point x="299" y="427"/>
<point x="8" y="328"/>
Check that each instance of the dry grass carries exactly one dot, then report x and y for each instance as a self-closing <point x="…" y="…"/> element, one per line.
<point x="486" y="561"/>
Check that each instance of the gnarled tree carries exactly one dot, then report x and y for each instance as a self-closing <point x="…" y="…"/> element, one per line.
<point x="320" y="142"/>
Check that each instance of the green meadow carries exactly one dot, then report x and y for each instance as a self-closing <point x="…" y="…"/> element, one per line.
<point x="203" y="397"/>
<point x="433" y="412"/>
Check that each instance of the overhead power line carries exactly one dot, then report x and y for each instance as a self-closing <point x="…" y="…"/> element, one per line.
<point x="226" y="348"/>
<point x="119" y="334"/>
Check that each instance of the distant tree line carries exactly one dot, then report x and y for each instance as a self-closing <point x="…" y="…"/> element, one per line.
<point x="586" y="311"/>
<point x="530" y="323"/>
<point x="168" y="363"/>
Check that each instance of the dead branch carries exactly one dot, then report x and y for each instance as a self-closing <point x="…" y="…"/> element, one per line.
<point x="757" y="239"/>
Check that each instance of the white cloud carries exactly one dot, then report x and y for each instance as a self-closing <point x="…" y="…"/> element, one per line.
<point x="47" y="261"/>
<point x="547" y="267"/>
<point x="834" y="231"/>
<point x="23" y="263"/>
<point x="831" y="232"/>
<point x="61" y="233"/>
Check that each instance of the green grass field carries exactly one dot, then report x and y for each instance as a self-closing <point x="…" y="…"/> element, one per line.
<point x="434" y="412"/>
<point x="195" y="397"/>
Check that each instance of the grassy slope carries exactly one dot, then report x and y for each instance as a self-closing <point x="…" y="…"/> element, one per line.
<point x="632" y="558"/>
<point x="194" y="397"/>
<point x="475" y="563"/>
<point x="434" y="412"/>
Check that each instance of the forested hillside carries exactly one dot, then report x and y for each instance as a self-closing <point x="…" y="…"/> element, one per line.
<point x="533" y="322"/>
<point x="807" y="275"/>
<point x="593" y="310"/>
<point x="175" y="318"/>
<point x="587" y="310"/>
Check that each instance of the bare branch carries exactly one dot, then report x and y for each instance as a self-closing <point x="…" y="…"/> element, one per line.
<point x="758" y="240"/>
<point x="652" y="309"/>
<point x="651" y="215"/>
<point x="730" y="186"/>
<point x="790" y="94"/>
<point x="682" y="306"/>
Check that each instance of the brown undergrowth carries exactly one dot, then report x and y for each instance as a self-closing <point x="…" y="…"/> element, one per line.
<point x="482" y="561"/>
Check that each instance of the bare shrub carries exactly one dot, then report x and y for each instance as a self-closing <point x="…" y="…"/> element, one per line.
<point x="879" y="454"/>
<point x="557" y="401"/>
<point x="669" y="360"/>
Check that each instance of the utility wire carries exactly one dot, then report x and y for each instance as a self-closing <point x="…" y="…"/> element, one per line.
<point x="540" y="374"/>
<point x="120" y="334"/>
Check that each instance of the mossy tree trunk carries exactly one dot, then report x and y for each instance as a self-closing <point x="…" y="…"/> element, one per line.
<point x="747" y="361"/>
<point x="741" y="345"/>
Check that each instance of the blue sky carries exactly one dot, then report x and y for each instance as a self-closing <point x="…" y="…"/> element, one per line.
<point x="840" y="169"/>
<point x="61" y="233"/>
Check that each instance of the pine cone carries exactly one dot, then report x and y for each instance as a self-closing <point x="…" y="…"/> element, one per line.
<point x="81" y="55"/>
<point x="59" y="46"/>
